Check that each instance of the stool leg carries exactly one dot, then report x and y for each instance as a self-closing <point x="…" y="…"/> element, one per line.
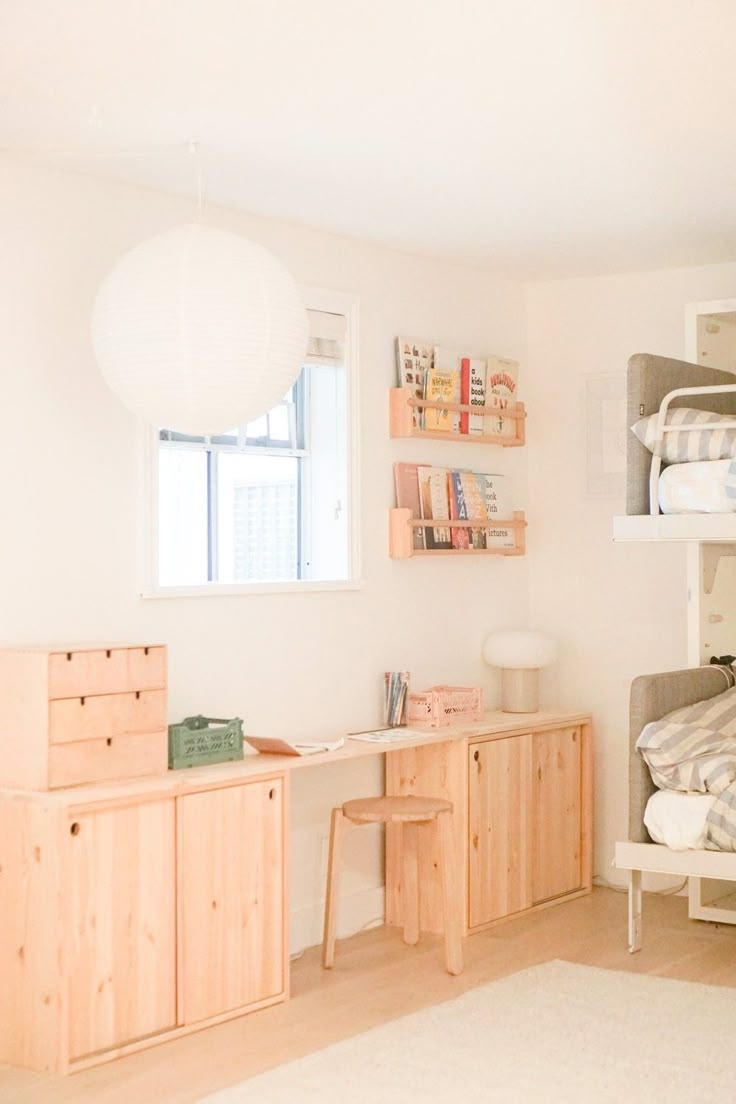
<point x="410" y="887"/>
<point x="450" y="903"/>
<point x="337" y="832"/>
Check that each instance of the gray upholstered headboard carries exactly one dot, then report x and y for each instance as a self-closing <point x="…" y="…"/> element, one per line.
<point x="649" y="379"/>
<point x="652" y="697"/>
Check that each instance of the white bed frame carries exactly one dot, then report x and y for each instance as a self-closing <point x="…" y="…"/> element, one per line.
<point x="653" y="697"/>
<point x="655" y="858"/>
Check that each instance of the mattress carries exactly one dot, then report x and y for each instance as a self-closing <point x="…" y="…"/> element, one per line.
<point x="701" y="487"/>
<point x="678" y="819"/>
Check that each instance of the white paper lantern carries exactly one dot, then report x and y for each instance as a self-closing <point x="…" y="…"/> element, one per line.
<point x="199" y="330"/>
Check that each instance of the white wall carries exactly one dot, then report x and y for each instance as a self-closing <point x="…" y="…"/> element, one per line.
<point x="308" y="663"/>
<point x="618" y="610"/>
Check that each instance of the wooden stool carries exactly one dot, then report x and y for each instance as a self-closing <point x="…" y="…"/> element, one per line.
<point x="411" y="812"/>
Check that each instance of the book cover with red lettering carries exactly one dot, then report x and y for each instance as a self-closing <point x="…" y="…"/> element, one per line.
<point x="502" y="379"/>
<point x="464" y="392"/>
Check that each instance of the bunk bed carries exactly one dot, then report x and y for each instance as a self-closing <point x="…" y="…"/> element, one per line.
<point x="656" y="387"/>
<point x="653" y="697"/>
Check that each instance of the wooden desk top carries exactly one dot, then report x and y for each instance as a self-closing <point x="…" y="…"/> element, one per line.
<point x="256" y="766"/>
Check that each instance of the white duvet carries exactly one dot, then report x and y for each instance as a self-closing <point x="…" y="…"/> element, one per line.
<point x="701" y="487"/>
<point x="678" y="819"/>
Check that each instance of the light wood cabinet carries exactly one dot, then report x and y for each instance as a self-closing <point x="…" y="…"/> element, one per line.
<point x="121" y="917"/>
<point x="231" y="858"/>
<point x="72" y="716"/>
<point x="133" y="912"/>
<point x="526" y="801"/>
<point x="521" y="788"/>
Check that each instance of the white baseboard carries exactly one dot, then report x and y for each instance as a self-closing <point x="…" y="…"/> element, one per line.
<point x="355" y="912"/>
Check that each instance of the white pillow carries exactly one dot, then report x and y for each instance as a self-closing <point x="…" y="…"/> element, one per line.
<point x="695" y="444"/>
<point x="704" y="487"/>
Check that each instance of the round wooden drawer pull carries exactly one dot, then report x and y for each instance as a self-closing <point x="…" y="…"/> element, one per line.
<point x="75" y="828"/>
<point x="271" y="795"/>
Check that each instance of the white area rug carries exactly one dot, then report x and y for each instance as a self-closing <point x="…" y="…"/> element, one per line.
<point x="558" y="1032"/>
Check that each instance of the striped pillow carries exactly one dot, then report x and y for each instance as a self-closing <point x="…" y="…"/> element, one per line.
<point x="694" y="444"/>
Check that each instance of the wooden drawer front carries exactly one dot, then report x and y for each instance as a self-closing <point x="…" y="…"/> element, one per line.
<point x="98" y="760"/>
<point x="106" y="716"/>
<point x="146" y="668"/>
<point x="107" y="671"/>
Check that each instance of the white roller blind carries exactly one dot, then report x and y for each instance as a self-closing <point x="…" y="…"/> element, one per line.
<point x="326" y="338"/>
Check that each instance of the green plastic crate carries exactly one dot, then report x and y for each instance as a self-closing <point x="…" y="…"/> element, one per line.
<point x="198" y="741"/>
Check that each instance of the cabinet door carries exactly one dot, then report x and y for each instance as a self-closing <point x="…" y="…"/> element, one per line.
<point x="122" y="916"/>
<point x="231" y="857"/>
<point x="499" y="869"/>
<point x="556" y="813"/>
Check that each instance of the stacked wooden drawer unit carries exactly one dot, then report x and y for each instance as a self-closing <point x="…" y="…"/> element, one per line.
<point x="78" y="715"/>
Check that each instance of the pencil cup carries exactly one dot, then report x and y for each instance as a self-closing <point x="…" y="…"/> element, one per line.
<point x="395" y="689"/>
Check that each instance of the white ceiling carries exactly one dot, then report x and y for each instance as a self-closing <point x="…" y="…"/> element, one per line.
<point x="538" y="138"/>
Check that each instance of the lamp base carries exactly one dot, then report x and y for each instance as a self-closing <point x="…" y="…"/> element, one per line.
<point x="519" y="690"/>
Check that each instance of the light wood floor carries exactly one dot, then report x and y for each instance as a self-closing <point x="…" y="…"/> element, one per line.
<point x="376" y="979"/>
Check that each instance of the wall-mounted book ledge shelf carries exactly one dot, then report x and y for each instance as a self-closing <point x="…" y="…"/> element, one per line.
<point x="402" y="526"/>
<point x="402" y="405"/>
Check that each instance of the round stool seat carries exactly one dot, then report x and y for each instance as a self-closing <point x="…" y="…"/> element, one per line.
<point x="409" y="809"/>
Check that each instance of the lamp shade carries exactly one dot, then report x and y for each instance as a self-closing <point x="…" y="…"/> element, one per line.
<point x="199" y="330"/>
<point x="519" y="649"/>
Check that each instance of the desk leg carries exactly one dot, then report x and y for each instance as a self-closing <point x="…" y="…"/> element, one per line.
<point x="434" y="770"/>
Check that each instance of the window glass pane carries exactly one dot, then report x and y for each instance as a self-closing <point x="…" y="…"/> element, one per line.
<point x="258" y="518"/>
<point x="278" y="423"/>
<point x="327" y="529"/>
<point x="182" y="517"/>
<point x="258" y="428"/>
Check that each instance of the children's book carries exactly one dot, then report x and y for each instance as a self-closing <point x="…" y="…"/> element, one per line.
<point x="413" y="361"/>
<point x="502" y="376"/>
<point x="464" y="392"/>
<point x="440" y="500"/>
<point x="458" y="510"/>
<point x="496" y="491"/>
<point x="434" y="538"/>
<point x="406" y="482"/>
<point x="476" y="423"/>
<point x="475" y="505"/>
<point x="443" y="385"/>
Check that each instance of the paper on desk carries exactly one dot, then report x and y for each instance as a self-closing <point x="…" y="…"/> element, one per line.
<point x="388" y="735"/>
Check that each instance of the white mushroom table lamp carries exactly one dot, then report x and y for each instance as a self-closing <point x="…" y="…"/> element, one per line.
<point x="519" y="653"/>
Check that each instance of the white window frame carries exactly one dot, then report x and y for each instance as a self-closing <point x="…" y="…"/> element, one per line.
<point x="317" y="299"/>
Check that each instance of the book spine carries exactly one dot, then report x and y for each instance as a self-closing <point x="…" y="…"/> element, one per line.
<point x="476" y="423"/>
<point x="395" y="687"/>
<point x="464" y="392"/>
<point x="440" y="506"/>
<point x="458" y="510"/>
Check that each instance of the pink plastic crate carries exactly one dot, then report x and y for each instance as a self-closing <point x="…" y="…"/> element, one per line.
<point x="441" y="705"/>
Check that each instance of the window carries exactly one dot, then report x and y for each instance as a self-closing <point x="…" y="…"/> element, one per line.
<point x="269" y="503"/>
